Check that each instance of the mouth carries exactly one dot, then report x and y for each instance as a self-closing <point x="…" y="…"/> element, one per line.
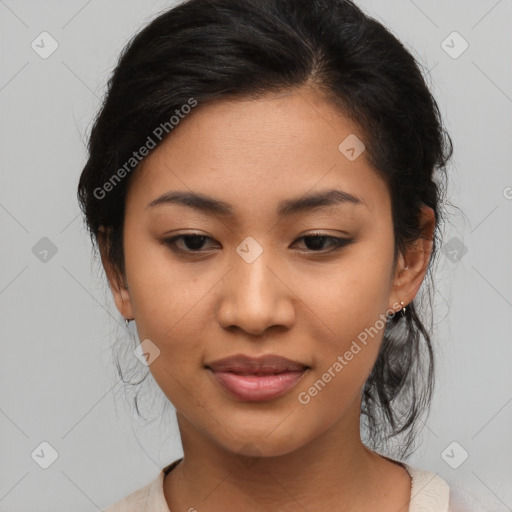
<point x="257" y="379"/>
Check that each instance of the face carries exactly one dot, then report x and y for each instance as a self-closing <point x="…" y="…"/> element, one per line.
<point x="265" y="274"/>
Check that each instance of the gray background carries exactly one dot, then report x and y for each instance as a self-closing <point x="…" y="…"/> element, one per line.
<point x="58" y="321"/>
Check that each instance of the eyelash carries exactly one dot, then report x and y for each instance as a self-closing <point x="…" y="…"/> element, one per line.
<point x="337" y="242"/>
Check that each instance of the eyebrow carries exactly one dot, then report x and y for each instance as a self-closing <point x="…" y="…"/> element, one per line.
<point x="287" y="207"/>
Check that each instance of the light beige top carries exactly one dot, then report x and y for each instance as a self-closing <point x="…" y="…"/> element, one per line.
<point x="429" y="493"/>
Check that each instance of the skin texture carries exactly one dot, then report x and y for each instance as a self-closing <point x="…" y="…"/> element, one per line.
<point x="305" y="304"/>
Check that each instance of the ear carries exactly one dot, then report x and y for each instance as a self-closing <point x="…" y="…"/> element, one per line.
<point x="116" y="282"/>
<point x="413" y="263"/>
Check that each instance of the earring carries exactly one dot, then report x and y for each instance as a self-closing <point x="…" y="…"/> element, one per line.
<point x="402" y="302"/>
<point x="127" y="321"/>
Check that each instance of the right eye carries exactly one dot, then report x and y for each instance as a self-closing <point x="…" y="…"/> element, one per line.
<point x="192" y="242"/>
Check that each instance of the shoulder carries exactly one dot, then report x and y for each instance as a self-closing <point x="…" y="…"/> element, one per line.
<point x="431" y="493"/>
<point x="149" y="498"/>
<point x="136" y="501"/>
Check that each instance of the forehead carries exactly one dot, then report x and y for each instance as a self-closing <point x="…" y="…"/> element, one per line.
<point x="255" y="153"/>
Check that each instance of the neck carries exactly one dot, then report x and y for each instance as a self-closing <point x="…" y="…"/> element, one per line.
<point x="335" y="471"/>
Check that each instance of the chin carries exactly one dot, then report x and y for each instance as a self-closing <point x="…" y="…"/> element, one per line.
<point x="262" y="444"/>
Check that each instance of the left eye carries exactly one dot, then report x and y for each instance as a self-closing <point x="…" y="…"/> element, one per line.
<point x="319" y="239"/>
<point x="194" y="243"/>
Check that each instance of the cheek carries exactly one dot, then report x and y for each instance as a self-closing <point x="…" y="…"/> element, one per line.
<point x="348" y="296"/>
<point x="343" y="361"/>
<point x="171" y="309"/>
<point x="351" y="303"/>
<point x="167" y="298"/>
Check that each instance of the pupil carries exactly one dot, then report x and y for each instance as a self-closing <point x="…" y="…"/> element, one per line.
<point x="194" y="238"/>
<point x="315" y="242"/>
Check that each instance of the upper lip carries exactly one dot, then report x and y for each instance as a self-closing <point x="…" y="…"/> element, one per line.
<point x="267" y="364"/>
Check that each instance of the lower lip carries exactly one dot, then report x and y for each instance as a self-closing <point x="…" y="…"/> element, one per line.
<point x="257" y="388"/>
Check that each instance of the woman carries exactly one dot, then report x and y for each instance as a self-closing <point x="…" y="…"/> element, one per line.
<point x="265" y="184"/>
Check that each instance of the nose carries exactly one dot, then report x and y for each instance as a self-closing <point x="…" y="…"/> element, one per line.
<point x="255" y="297"/>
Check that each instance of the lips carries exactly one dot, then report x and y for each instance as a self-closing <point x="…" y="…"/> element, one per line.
<point x="265" y="365"/>
<point x="257" y="379"/>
